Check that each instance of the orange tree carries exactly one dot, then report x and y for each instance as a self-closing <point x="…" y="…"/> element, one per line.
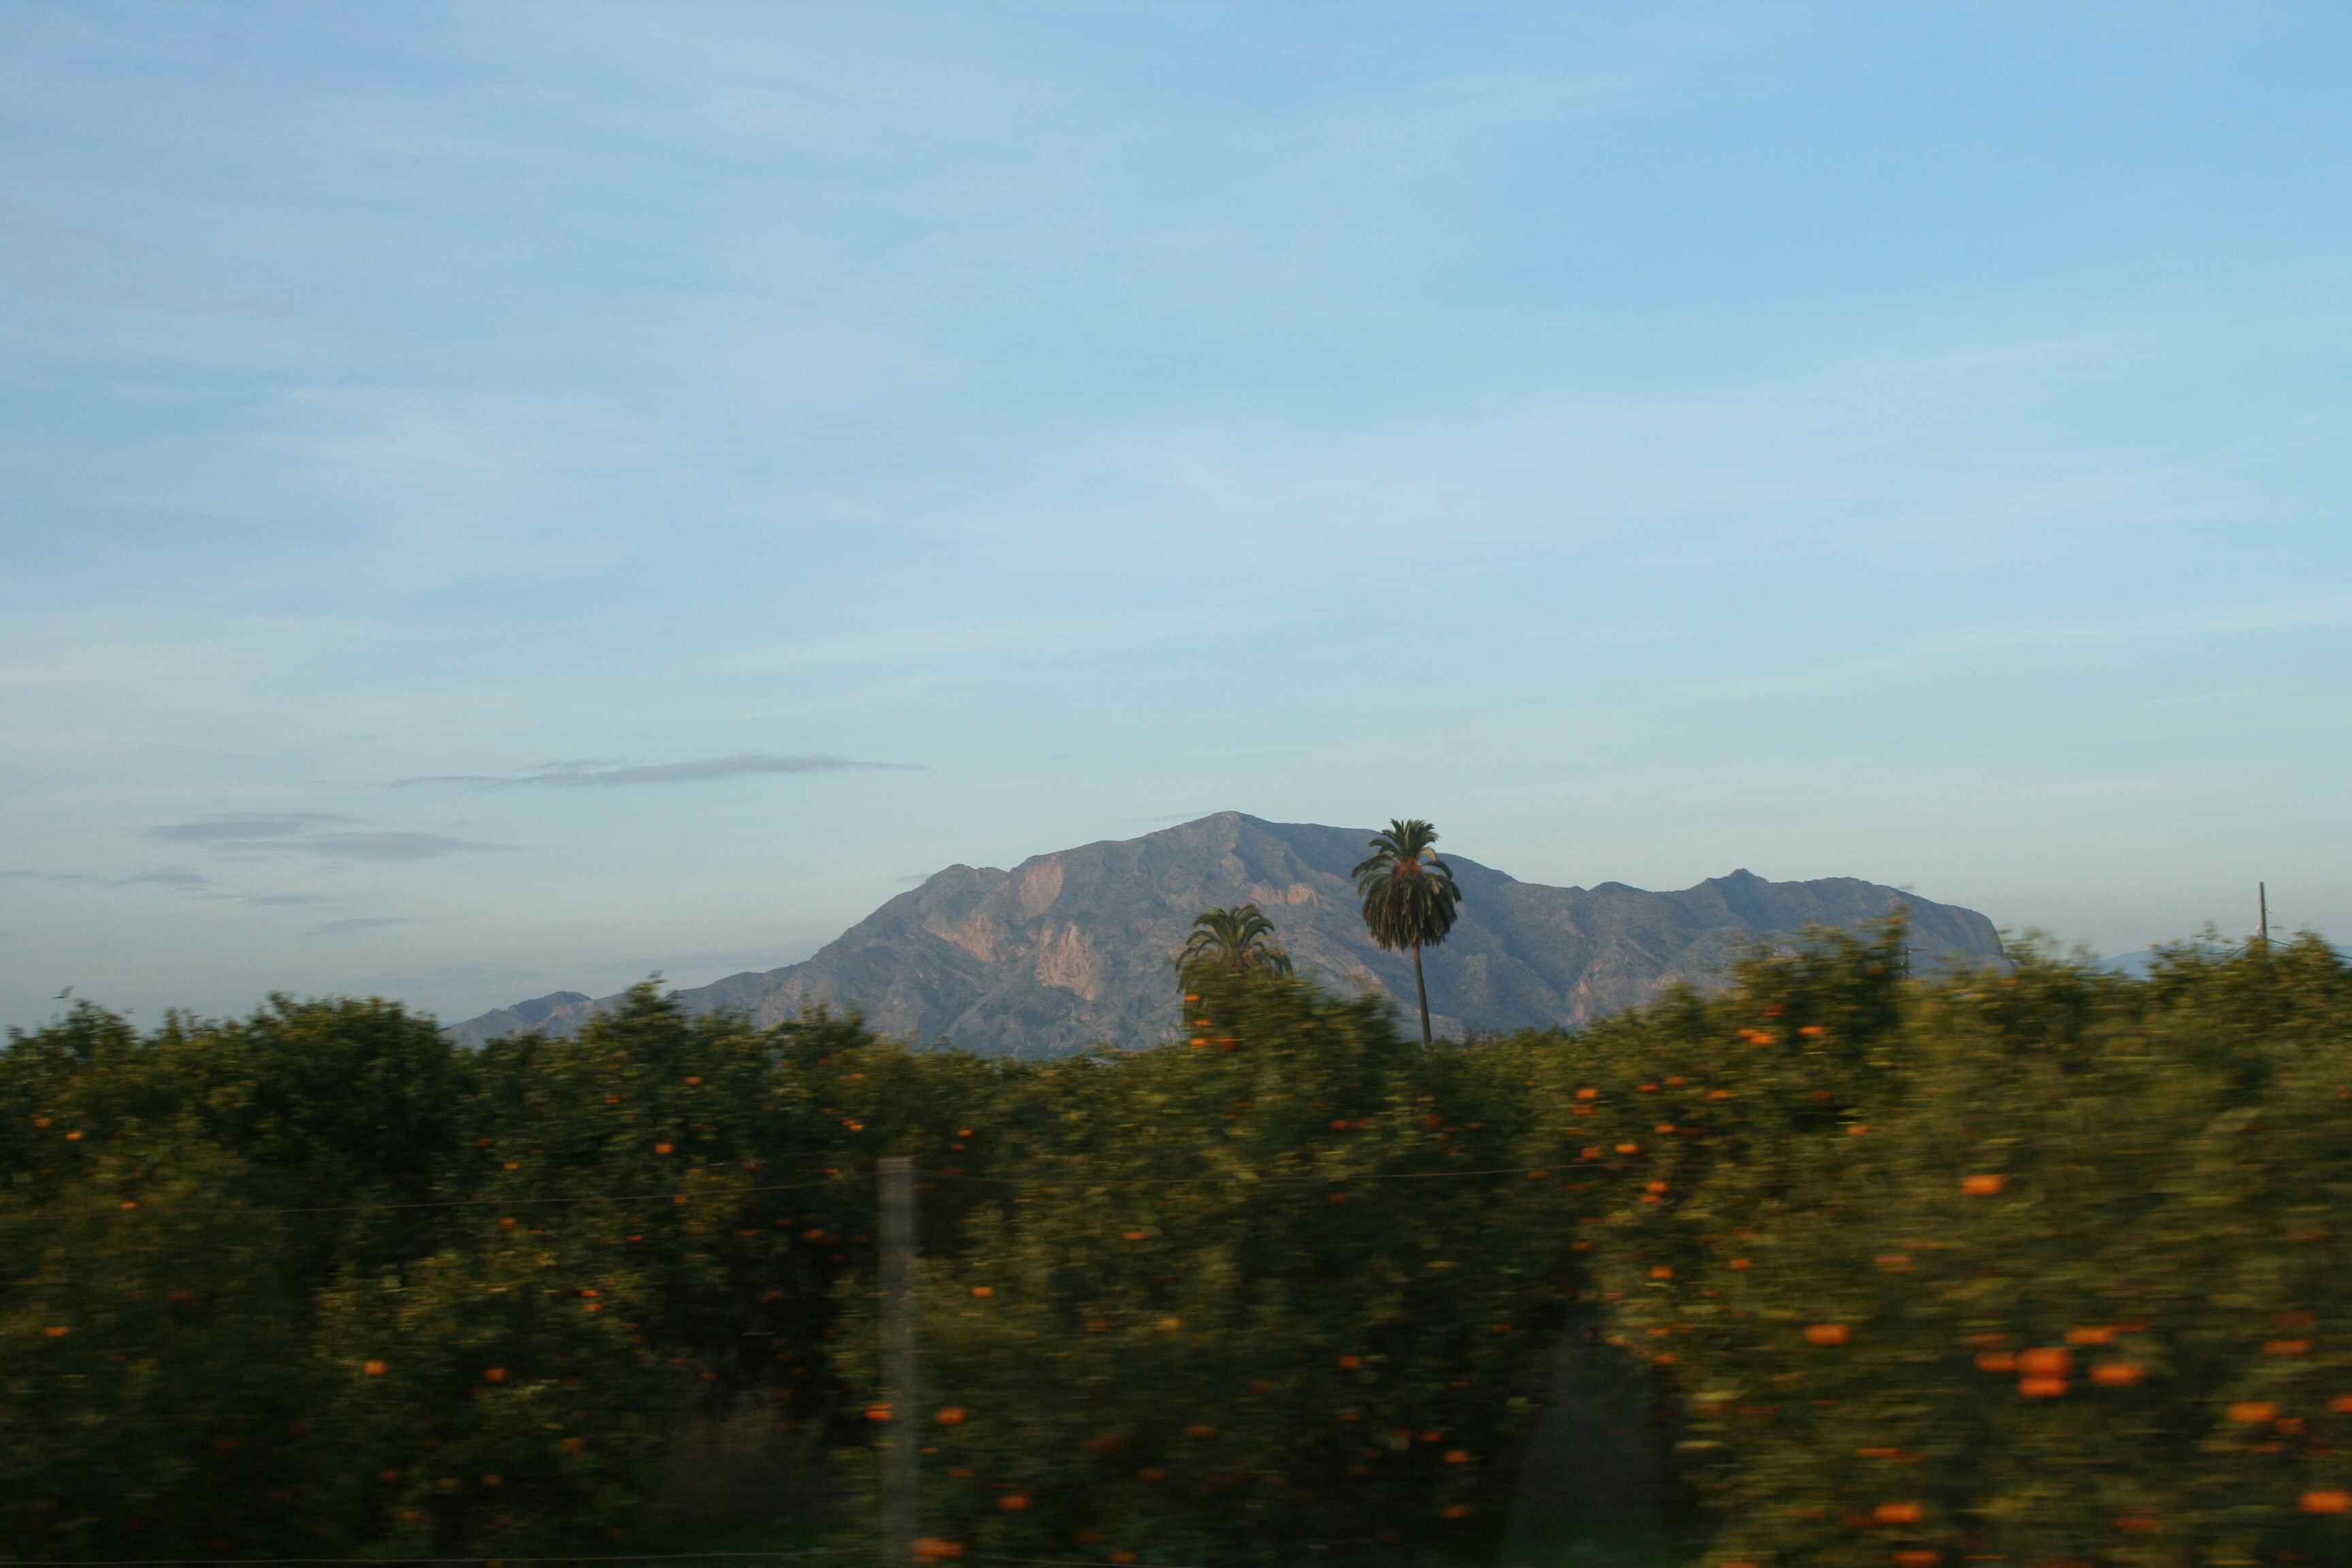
<point x="2031" y="1268"/>
<point x="168" y="1202"/>
<point x="314" y="1281"/>
<point x="659" y="1214"/>
<point x="1255" y="1292"/>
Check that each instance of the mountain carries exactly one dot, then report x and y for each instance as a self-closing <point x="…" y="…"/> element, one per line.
<point x="1071" y="949"/>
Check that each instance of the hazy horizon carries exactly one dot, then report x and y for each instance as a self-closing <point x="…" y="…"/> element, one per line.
<point x="511" y="499"/>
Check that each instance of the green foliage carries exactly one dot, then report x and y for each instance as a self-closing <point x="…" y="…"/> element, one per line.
<point x="2027" y="1266"/>
<point x="1222" y="1311"/>
<point x="1907" y="1202"/>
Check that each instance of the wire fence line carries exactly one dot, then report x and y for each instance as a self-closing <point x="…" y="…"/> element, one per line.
<point x="747" y="1555"/>
<point x="777" y="1556"/>
<point x="928" y="1181"/>
<point x="833" y="1178"/>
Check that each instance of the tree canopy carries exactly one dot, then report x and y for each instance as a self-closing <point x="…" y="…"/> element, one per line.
<point x="2031" y="1264"/>
<point x="1410" y="897"/>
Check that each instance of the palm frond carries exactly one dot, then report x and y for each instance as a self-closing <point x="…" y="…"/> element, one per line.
<point x="1410" y="897"/>
<point x="1235" y="940"/>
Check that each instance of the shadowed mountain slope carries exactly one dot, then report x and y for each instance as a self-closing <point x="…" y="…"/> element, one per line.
<point x="1072" y="949"/>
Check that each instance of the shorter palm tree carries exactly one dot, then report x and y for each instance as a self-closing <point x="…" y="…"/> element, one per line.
<point x="1237" y="942"/>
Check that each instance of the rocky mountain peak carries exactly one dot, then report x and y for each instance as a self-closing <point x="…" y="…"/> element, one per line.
<point x="1073" y="948"/>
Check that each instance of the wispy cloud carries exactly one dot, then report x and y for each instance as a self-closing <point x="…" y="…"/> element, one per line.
<point x="192" y="882"/>
<point x="164" y="877"/>
<point x="370" y="847"/>
<point x="250" y="832"/>
<point x="237" y="826"/>
<point x="271" y="901"/>
<point x="600" y="773"/>
<point x="362" y="922"/>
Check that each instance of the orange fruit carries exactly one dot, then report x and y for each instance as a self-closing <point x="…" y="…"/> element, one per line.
<point x="1984" y="1185"/>
<point x="2327" y="1499"/>
<point x="1896" y="1513"/>
<point x="1827" y="1334"/>
<point x="950" y="1416"/>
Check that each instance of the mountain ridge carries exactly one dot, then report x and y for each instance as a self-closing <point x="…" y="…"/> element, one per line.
<point x="1071" y="948"/>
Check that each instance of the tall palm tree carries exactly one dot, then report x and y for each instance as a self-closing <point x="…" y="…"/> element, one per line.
<point x="1235" y="940"/>
<point x="1409" y="895"/>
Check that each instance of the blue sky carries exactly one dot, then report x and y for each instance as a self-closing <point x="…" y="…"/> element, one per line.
<point x="1902" y="442"/>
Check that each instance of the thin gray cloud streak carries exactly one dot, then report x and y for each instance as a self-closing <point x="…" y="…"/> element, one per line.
<point x="366" y="846"/>
<point x="234" y="826"/>
<point x="363" y="922"/>
<point x="164" y="877"/>
<point x="53" y="877"/>
<point x="271" y="901"/>
<point x="594" y="774"/>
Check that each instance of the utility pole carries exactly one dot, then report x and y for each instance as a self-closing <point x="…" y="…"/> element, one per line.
<point x="896" y="1179"/>
<point x="2262" y="896"/>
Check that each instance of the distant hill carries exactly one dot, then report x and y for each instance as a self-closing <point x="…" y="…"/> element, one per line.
<point x="1072" y="949"/>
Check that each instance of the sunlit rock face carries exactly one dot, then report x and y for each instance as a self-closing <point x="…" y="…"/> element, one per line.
<point x="1073" y="949"/>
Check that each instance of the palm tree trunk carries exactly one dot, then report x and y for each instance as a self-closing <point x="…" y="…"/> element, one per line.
<point x="1422" y="987"/>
